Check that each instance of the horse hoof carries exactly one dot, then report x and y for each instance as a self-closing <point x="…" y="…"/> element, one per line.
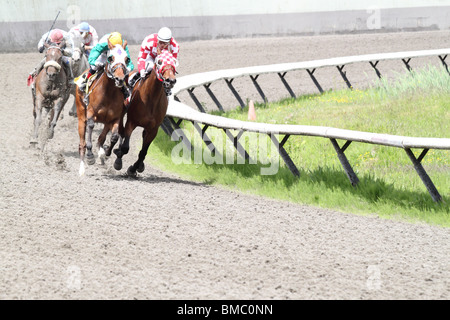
<point x="90" y="160"/>
<point x="118" y="164"/>
<point x="33" y="143"/>
<point x="131" y="172"/>
<point x="141" y="168"/>
<point x="107" y="150"/>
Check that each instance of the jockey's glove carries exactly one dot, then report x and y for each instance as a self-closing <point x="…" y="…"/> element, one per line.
<point x="41" y="49"/>
<point x="142" y="72"/>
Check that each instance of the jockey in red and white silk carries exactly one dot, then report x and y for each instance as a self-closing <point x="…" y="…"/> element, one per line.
<point x="149" y="51"/>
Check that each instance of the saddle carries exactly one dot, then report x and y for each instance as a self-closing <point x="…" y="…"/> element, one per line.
<point x="80" y="79"/>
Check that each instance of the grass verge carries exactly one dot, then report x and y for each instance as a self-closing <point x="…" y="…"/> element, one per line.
<point x="415" y="105"/>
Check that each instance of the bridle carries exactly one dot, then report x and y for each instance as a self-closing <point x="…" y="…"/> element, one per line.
<point x="52" y="63"/>
<point x="162" y="63"/>
<point x="113" y="65"/>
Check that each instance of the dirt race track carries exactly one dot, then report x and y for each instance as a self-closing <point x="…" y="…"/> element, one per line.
<point x="106" y="236"/>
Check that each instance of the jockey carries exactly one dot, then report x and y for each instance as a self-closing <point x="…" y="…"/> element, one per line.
<point x="88" y="33"/>
<point x="98" y="56"/>
<point x="151" y="47"/>
<point x="56" y="36"/>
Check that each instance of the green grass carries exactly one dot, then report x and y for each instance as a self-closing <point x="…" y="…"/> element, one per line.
<point x="416" y="105"/>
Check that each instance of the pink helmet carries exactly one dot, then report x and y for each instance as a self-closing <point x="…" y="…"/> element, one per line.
<point x="56" y="36"/>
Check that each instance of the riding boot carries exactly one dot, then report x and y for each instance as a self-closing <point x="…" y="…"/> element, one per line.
<point x="69" y="73"/>
<point x="84" y="79"/>
<point x="133" y="79"/>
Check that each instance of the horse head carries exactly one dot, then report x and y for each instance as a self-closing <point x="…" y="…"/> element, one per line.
<point x="53" y="60"/>
<point x="165" y="65"/>
<point x="117" y="63"/>
<point x="78" y="48"/>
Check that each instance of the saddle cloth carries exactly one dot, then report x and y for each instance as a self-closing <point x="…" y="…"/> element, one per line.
<point x="79" y="80"/>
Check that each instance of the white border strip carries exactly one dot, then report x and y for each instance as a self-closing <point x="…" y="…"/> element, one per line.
<point x="182" y="111"/>
<point x="199" y="79"/>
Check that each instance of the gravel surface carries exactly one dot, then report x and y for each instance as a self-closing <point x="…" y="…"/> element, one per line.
<point x="106" y="236"/>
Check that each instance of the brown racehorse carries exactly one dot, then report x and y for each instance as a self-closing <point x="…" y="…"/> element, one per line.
<point x="147" y="109"/>
<point x="50" y="92"/>
<point x="106" y="105"/>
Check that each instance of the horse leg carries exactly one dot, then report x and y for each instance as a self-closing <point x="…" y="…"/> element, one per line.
<point x="90" y="127"/>
<point x="113" y="140"/>
<point x="82" y="145"/>
<point x="147" y="139"/>
<point x="37" y="113"/>
<point x="55" y="116"/>
<point x="73" y="111"/>
<point x="124" y="146"/>
<point x="101" y="140"/>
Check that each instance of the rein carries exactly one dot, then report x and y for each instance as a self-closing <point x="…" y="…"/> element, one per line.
<point x="111" y="69"/>
<point x="96" y="81"/>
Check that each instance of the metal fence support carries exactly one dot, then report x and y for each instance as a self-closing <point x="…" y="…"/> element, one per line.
<point x="344" y="76"/>
<point x="423" y="174"/>
<point x="180" y="134"/>
<point x="167" y="127"/>
<point x="286" y="84"/>
<point x="197" y="103"/>
<point x="406" y="62"/>
<point x="311" y="74"/>
<point x="241" y="150"/>
<point x="205" y="137"/>
<point x="344" y="162"/>
<point x="444" y="63"/>
<point x="374" y="66"/>
<point x="238" y="97"/>
<point x="213" y="97"/>
<point x="284" y="155"/>
<point x="261" y="93"/>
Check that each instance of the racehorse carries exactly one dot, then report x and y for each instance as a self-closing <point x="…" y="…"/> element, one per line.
<point x="106" y="105"/>
<point x="147" y="109"/>
<point x="79" y="64"/>
<point x="50" y="92"/>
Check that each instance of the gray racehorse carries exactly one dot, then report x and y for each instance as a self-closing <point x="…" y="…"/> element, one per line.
<point x="79" y="64"/>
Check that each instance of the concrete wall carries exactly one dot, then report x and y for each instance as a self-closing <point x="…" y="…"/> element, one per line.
<point x="22" y="22"/>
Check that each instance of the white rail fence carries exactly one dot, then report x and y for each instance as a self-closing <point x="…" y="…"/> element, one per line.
<point x="177" y="112"/>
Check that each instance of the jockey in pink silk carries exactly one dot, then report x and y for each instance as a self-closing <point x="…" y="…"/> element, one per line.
<point x="55" y="37"/>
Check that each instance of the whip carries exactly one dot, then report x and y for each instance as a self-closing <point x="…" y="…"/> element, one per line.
<point x="53" y="24"/>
